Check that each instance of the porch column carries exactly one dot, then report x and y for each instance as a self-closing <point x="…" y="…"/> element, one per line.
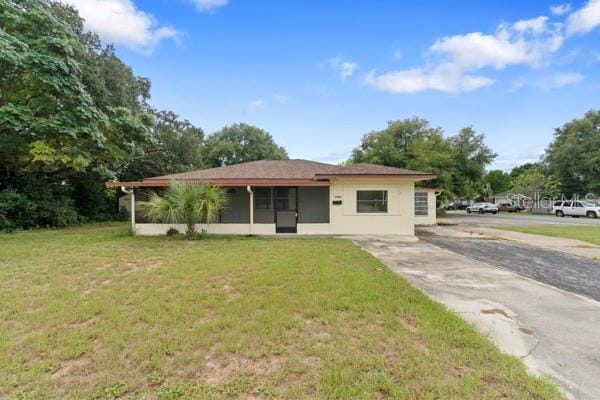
<point x="249" y="189"/>
<point x="133" y="210"/>
<point x="132" y="193"/>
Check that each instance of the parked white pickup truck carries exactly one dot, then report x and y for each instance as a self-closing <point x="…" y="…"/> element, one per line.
<point x="580" y="208"/>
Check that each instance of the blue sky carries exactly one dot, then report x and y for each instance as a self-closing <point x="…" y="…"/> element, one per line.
<point x="319" y="75"/>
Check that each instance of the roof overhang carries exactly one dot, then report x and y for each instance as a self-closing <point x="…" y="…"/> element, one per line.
<point x="222" y="182"/>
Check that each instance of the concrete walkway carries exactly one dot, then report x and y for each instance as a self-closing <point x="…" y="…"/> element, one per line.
<point x="556" y="333"/>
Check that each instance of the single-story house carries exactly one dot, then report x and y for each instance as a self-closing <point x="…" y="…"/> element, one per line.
<point x="304" y="197"/>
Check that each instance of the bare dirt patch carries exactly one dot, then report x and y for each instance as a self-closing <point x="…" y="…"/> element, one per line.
<point x="218" y="370"/>
<point x="75" y="371"/>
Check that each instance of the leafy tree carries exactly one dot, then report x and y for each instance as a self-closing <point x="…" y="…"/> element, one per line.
<point x="177" y="146"/>
<point x="459" y="162"/>
<point x="471" y="158"/>
<point x="498" y="180"/>
<point x="186" y="203"/>
<point x="68" y="108"/>
<point x="534" y="181"/>
<point x="241" y="143"/>
<point x="523" y="168"/>
<point x="574" y="155"/>
<point x="391" y="146"/>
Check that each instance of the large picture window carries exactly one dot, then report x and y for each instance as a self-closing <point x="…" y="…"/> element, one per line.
<point x="262" y="199"/>
<point x="371" y="201"/>
<point x="421" y="205"/>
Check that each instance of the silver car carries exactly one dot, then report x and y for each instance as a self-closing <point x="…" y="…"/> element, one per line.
<point x="482" y="208"/>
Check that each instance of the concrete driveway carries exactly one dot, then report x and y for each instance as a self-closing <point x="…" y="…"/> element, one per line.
<point x="554" y="331"/>
<point x="461" y="217"/>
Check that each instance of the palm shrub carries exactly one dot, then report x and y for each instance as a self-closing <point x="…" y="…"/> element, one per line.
<point x="186" y="203"/>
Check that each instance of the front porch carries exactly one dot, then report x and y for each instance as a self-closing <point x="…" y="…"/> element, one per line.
<point x="261" y="210"/>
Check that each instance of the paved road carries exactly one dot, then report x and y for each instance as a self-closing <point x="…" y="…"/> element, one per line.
<point x="462" y="217"/>
<point x="571" y="273"/>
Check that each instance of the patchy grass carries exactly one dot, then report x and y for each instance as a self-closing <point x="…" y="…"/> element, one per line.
<point x="90" y="312"/>
<point x="589" y="234"/>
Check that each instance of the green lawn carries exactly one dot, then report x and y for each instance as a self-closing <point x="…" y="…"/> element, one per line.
<point x="90" y="312"/>
<point x="590" y="234"/>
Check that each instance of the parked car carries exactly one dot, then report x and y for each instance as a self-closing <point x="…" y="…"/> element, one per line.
<point x="509" y="206"/>
<point x="576" y="209"/>
<point x="457" y="205"/>
<point x="451" y="206"/>
<point x="482" y="208"/>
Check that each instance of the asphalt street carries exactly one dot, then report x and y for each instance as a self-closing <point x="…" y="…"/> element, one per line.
<point x="461" y="217"/>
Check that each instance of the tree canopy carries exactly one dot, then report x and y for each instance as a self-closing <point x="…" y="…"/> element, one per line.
<point x="573" y="157"/>
<point x="239" y="143"/>
<point x="459" y="161"/>
<point x="498" y="180"/>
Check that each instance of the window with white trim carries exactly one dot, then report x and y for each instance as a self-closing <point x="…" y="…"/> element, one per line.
<point x="421" y="203"/>
<point x="371" y="201"/>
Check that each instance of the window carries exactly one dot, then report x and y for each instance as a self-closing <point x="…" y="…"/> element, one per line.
<point x="371" y="201"/>
<point x="421" y="206"/>
<point x="577" y="204"/>
<point x="262" y="199"/>
<point x="281" y="199"/>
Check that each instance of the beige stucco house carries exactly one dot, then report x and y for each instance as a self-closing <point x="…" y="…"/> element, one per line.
<point x="303" y="197"/>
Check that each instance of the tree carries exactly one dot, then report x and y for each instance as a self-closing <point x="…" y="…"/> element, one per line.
<point x="71" y="113"/>
<point x="534" y="181"/>
<point x="523" y="168"/>
<point x="498" y="180"/>
<point x="241" y="143"/>
<point x="392" y="145"/>
<point x="177" y="146"/>
<point x="190" y="204"/>
<point x="459" y="162"/>
<point x="574" y="155"/>
<point x="471" y="158"/>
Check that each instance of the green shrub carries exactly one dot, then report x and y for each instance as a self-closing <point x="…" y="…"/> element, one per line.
<point x="172" y="232"/>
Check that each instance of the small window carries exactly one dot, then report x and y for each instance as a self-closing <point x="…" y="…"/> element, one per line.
<point x="281" y="199"/>
<point x="371" y="201"/>
<point x="558" y="204"/>
<point x="262" y="199"/>
<point x="567" y="204"/>
<point x="577" y="204"/>
<point x="421" y="205"/>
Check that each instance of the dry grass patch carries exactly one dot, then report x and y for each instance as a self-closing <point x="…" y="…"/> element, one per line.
<point x="90" y="312"/>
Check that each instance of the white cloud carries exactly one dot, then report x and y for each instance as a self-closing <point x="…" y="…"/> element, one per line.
<point x="560" y="80"/>
<point x="344" y="68"/>
<point x="585" y="19"/>
<point x="119" y="21"/>
<point x="256" y="105"/>
<point x="560" y="9"/>
<point x="454" y="60"/>
<point x="444" y="78"/>
<point x="208" y="5"/>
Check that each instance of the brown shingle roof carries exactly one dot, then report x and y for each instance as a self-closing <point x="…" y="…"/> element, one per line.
<point x="288" y="169"/>
<point x="263" y="169"/>
<point x="374" y="169"/>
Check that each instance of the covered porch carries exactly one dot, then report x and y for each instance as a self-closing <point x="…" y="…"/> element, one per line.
<point x="252" y="209"/>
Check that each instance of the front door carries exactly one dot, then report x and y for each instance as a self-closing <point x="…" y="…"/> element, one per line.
<point x="285" y="204"/>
